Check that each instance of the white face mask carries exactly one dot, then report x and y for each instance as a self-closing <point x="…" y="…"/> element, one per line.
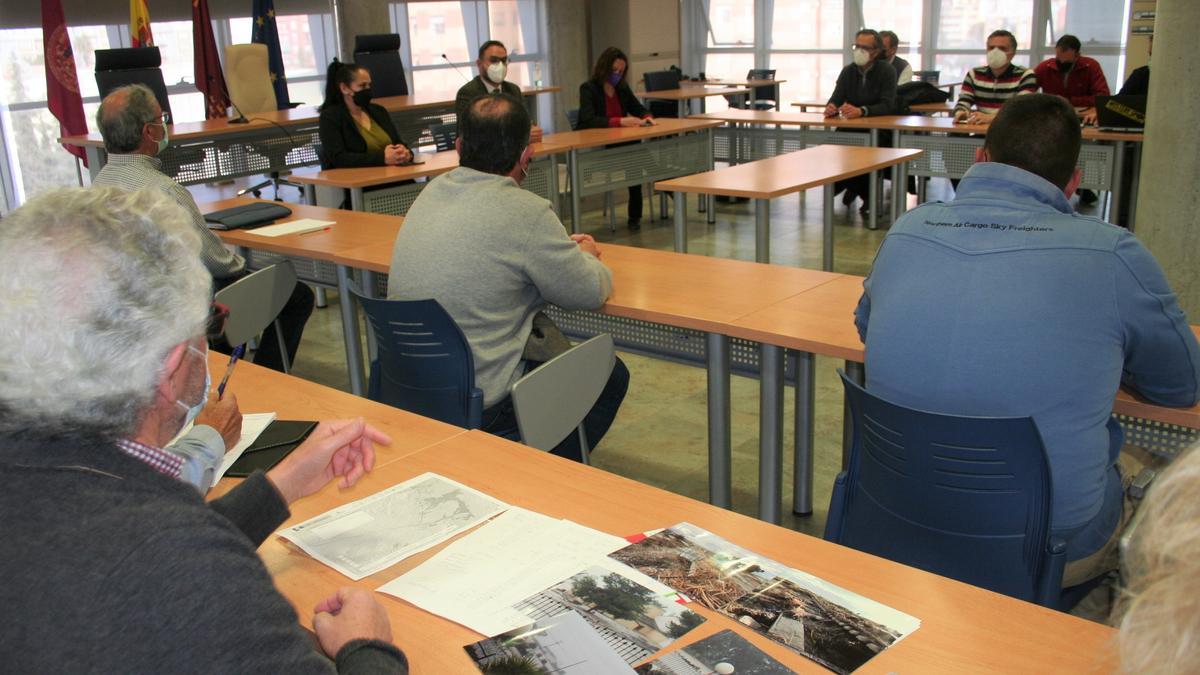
<point x="497" y="71"/>
<point x="861" y="57"/>
<point x="194" y="410"/>
<point x="996" y="58"/>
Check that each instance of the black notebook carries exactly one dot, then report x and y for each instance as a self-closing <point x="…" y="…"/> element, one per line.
<point x="273" y="444"/>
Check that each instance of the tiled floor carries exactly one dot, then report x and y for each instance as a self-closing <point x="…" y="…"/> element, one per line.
<point x="659" y="436"/>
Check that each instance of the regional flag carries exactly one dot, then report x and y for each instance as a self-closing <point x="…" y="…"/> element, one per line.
<point x="139" y="24"/>
<point x="62" y="84"/>
<point x="210" y="80"/>
<point x="265" y="32"/>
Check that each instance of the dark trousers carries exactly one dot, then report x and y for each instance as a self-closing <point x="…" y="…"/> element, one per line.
<point x="861" y="185"/>
<point x="635" y="202"/>
<point x="291" y="319"/>
<point x="501" y="420"/>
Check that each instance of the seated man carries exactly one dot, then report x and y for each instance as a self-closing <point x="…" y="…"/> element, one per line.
<point x="864" y="88"/>
<point x="986" y="88"/>
<point x="111" y="563"/>
<point x="891" y="43"/>
<point x="134" y="130"/>
<point x="1138" y="82"/>
<point x="1073" y="76"/>
<point x="493" y="254"/>
<point x="493" y="68"/>
<point x="1004" y="302"/>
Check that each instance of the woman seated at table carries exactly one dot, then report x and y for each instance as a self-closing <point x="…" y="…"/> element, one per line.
<point x="354" y="131"/>
<point x="607" y="101"/>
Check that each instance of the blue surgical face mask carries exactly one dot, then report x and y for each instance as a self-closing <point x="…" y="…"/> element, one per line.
<point x="614" y="78"/>
<point x="194" y="410"/>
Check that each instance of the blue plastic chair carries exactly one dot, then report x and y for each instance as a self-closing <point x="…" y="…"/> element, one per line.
<point x="424" y="363"/>
<point x="964" y="497"/>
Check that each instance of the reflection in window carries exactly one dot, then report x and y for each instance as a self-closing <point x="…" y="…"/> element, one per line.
<point x="965" y="24"/>
<point x="436" y="28"/>
<point x="807" y="24"/>
<point x="1094" y="22"/>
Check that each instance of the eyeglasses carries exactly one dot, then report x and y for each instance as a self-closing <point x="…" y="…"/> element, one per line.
<point x="218" y="316"/>
<point x="863" y="47"/>
<point x="164" y="118"/>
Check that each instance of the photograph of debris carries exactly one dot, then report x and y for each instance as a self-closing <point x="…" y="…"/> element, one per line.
<point x="563" y="644"/>
<point x="725" y="653"/>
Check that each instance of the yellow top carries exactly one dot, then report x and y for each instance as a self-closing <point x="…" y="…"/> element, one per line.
<point x="377" y="139"/>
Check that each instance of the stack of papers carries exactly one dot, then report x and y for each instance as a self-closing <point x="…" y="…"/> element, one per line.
<point x="292" y="227"/>
<point x="252" y="427"/>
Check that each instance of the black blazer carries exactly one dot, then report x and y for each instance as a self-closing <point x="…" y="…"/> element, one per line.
<point x="476" y="88"/>
<point x="592" y="113"/>
<point x="341" y="143"/>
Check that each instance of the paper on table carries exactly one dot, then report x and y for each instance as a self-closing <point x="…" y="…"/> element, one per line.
<point x="252" y="427"/>
<point x="360" y="538"/>
<point x="476" y="580"/>
<point x="292" y="227"/>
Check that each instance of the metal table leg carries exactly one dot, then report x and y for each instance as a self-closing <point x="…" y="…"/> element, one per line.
<point x="762" y="230"/>
<point x="310" y="194"/>
<point x="368" y="285"/>
<point x="1133" y="186"/>
<point x="770" y="433"/>
<point x="680" y="222"/>
<point x="1118" y="170"/>
<point x="827" y="244"/>
<point x="899" y="184"/>
<point x="555" y="201"/>
<point x="873" y="190"/>
<point x="576" y="184"/>
<point x="805" y="418"/>
<point x="720" y="482"/>
<point x="96" y="159"/>
<point x="357" y="203"/>
<point x="854" y="370"/>
<point x="350" y="332"/>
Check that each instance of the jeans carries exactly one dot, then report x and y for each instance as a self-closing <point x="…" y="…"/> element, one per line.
<point x="501" y="420"/>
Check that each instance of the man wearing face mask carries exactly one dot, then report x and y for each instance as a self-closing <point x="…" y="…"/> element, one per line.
<point x="864" y="88"/>
<point x="891" y="43"/>
<point x="493" y="68"/>
<point x="111" y="563"/>
<point x="1006" y="303"/>
<point x="135" y="131"/>
<point x="493" y="254"/>
<point x="986" y="88"/>
<point x="1078" y="79"/>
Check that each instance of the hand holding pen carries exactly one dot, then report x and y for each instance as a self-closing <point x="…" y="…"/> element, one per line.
<point x="233" y="359"/>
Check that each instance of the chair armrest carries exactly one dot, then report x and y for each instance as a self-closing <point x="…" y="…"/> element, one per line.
<point x="837" y="502"/>
<point x="475" y="409"/>
<point x="1049" y="589"/>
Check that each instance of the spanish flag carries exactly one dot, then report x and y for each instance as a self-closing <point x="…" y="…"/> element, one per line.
<point x="139" y="24"/>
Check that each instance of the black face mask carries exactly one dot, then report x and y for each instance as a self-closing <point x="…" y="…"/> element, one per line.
<point x="1064" y="66"/>
<point x="362" y="97"/>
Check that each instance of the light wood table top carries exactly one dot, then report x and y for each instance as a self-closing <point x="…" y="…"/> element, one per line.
<point x="964" y="629"/>
<point x="791" y="172"/>
<point x="351" y="230"/>
<point x="729" y="83"/>
<point x="664" y="126"/>
<point x="943" y="107"/>
<point x="261" y="390"/>
<point x="689" y="93"/>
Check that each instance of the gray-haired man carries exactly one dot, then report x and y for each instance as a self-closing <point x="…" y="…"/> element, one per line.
<point x="110" y="563"/>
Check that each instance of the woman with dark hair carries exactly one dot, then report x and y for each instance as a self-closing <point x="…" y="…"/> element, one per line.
<point x="354" y="131"/>
<point x="607" y="101"/>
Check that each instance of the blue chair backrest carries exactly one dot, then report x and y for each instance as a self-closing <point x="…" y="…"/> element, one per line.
<point x="424" y="363"/>
<point x="964" y="497"/>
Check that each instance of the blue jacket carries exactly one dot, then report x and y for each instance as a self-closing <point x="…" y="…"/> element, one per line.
<point x="1005" y="302"/>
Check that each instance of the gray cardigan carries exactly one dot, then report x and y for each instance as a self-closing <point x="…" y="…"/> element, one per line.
<point x="112" y="567"/>
<point x="492" y="254"/>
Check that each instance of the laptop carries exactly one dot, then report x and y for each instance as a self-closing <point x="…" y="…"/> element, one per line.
<point x="1121" y="113"/>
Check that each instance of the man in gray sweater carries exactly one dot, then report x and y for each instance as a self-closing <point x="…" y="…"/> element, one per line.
<point x="111" y="564"/>
<point x="493" y="255"/>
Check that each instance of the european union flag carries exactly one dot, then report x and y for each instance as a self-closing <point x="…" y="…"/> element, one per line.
<point x="267" y="34"/>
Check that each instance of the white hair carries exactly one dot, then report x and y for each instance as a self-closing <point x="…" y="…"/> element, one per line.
<point x="99" y="284"/>
<point x="1159" y="611"/>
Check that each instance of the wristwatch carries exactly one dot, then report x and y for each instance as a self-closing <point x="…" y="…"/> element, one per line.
<point x="864" y="110"/>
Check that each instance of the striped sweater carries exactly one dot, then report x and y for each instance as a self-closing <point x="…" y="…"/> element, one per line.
<point x="987" y="92"/>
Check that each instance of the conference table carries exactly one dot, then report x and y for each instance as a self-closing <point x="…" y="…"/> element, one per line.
<point x="685" y="94"/>
<point x="766" y="179"/>
<point x="278" y="140"/>
<point x="949" y="146"/>
<point x="963" y="628"/>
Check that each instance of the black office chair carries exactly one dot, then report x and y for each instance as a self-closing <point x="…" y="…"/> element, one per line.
<point x="381" y="55"/>
<point x="765" y="97"/>
<point x="136" y="65"/>
<point x="662" y="80"/>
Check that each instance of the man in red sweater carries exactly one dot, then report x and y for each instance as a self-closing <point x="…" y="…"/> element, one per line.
<point x="1078" y="79"/>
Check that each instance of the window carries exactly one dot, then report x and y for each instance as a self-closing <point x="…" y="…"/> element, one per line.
<point x="807" y="48"/>
<point x="902" y="17"/>
<point x="731" y="23"/>
<point x="1099" y="24"/>
<point x="965" y="24"/>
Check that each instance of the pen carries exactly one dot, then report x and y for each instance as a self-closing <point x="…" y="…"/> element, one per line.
<point x="233" y="359"/>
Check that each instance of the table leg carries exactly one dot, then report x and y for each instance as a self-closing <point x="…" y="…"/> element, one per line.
<point x="762" y="230"/>
<point x="711" y="199"/>
<point x="683" y="111"/>
<point x="720" y="482"/>
<point x="322" y="300"/>
<point x="680" y="222"/>
<point x="1118" y="170"/>
<point x="310" y="194"/>
<point x="770" y="433"/>
<point x="873" y="190"/>
<point x="368" y="285"/>
<point x="350" y="332"/>
<point x="576" y="184"/>
<point x="805" y="418"/>
<point x="899" y="184"/>
<point x="827" y="244"/>
<point x="854" y="370"/>
<point x="1133" y="186"/>
<point x="96" y="158"/>
<point x="357" y="202"/>
<point x="554" y="196"/>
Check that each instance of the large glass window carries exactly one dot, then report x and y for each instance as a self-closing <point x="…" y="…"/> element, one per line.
<point x="902" y="17"/>
<point x="807" y="47"/>
<point x="1099" y="25"/>
<point x="965" y="24"/>
<point x="731" y="23"/>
